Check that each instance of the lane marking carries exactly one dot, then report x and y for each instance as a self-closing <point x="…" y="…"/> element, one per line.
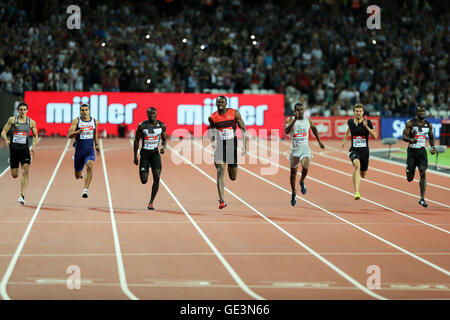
<point x="351" y="194"/>
<point x="434" y="266"/>
<point x="224" y="262"/>
<point x="120" y="265"/>
<point x="9" y="270"/>
<point x="325" y="261"/>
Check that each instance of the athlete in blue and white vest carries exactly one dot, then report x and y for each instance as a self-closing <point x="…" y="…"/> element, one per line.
<point x="85" y="130"/>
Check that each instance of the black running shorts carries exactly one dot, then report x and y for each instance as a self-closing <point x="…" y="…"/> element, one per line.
<point x="149" y="159"/>
<point x="17" y="156"/>
<point x="363" y="156"/>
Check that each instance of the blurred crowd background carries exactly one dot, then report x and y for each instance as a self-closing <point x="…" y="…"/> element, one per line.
<point x="320" y="53"/>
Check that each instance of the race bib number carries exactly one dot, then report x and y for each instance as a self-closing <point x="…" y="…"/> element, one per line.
<point x="150" y="142"/>
<point x="299" y="138"/>
<point x="88" y="133"/>
<point x="226" y="133"/>
<point x="359" y="142"/>
<point x="421" y="140"/>
<point x="20" y="137"/>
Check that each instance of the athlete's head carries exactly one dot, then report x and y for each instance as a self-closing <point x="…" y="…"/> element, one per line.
<point x="358" y="111"/>
<point x="22" y="107"/>
<point x="85" y="110"/>
<point x="221" y="103"/>
<point x="420" y="112"/>
<point x="299" y="109"/>
<point x="151" y="113"/>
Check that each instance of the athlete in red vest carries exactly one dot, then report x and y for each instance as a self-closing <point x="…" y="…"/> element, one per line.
<point x="223" y="124"/>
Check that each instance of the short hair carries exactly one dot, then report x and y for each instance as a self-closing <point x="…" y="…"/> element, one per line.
<point x="85" y="105"/>
<point x="151" y="108"/>
<point x="358" y="106"/>
<point x="222" y="97"/>
<point x="22" y="103"/>
<point x="298" y="104"/>
<point x="420" y="107"/>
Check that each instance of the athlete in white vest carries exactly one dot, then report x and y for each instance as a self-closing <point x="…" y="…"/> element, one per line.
<point x="298" y="128"/>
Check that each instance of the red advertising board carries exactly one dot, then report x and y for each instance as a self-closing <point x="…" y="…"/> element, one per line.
<point x="335" y="127"/>
<point x="181" y="112"/>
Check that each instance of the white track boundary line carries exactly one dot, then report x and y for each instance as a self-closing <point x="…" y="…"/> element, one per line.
<point x="342" y="219"/>
<point x="368" y="180"/>
<point x="325" y="261"/>
<point x="7" y="168"/>
<point x="225" y="263"/>
<point x="351" y="194"/>
<point x="14" y="259"/>
<point x="120" y="265"/>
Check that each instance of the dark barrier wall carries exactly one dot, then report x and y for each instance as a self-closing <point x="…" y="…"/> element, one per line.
<point x="7" y="106"/>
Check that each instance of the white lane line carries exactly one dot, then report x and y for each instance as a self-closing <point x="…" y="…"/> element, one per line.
<point x="434" y="266"/>
<point x="120" y="266"/>
<point x="225" y="263"/>
<point x="368" y="180"/>
<point x="13" y="261"/>
<point x="351" y="194"/>
<point x="318" y="256"/>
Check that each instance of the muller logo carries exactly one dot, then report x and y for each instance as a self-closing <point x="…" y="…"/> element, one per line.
<point x="114" y="113"/>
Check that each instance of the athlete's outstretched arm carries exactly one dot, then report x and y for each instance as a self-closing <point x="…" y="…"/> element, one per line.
<point x="407" y="132"/>
<point x="72" y="130"/>
<point x="137" y="137"/>
<point x="163" y="139"/>
<point x="241" y="125"/>
<point x="6" y="129"/>
<point x="431" y="139"/>
<point x="97" y="149"/>
<point x="316" y="133"/>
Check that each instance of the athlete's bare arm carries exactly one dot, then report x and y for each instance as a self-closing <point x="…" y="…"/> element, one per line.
<point x="431" y="139"/>
<point x="137" y="138"/>
<point x="345" y="138"/>
<point x="316" y="133"/>
<point x="72" y="130"/>
<point x="241" y="125"/>
<point x="290" y="124"/>
<point x="372" y="132"/>
<point x="163" y="139"/>
<point x="407" y="132"/>
<point x="97" y="149"/>
<point x="212" y="132"/>
<point x="6" y="129"/>
<point x="35" y="135"/>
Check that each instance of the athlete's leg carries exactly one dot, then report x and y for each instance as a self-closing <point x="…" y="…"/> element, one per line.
<point x="220" y="183"/>
<point x="89" y="173"/>
<point x="15" y="172"/>
<point x="410" y="167"/>
<point x="362" y="173"/>
<point x="356" y="177"/>
<point x="155" y="187"/>
<point x="422" y="181"/>
<point x="144" y="176"/>
<point x="305" y="165"/>
<point x="232" y="172"/>
<point x="24" y="181"/>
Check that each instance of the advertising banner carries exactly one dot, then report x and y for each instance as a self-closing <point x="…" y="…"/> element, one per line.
<point x="181" y="112"/>
<point x="393" y="127"/>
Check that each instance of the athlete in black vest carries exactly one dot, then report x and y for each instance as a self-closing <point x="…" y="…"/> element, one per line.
<point x="415" y="133"/>
<point x="150" y="131"/>
<point x="18" y="129"/>
<point x="359" y="128"/>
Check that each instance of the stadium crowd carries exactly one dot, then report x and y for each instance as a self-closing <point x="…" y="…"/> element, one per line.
<point x="319" y="53"/>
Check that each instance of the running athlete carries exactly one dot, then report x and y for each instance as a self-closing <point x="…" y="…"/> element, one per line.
<point x="84" y="129"/>
<point x="151" y="131"/>
<point x="223" y="124"/>
<point x="415" y="133"/>
<point x="360" y="128"/>
<point x="18" y="129"/>
<point x="298" y="126"/>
